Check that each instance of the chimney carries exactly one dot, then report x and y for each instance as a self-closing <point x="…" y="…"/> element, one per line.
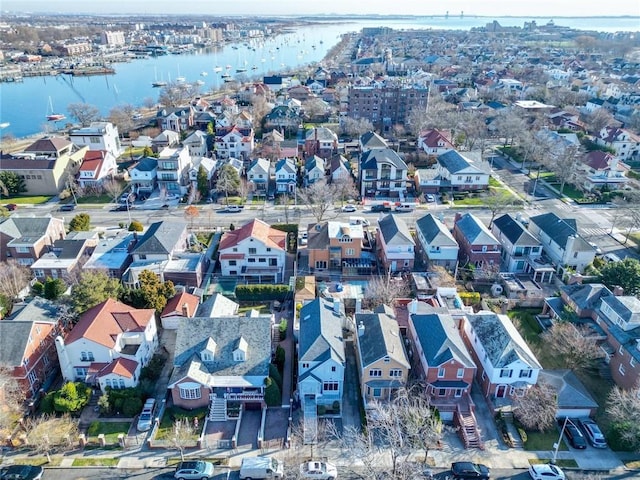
<point x="185" y="310"/>
<point x="360" y="329"/>
<point x="618" y="291"/>
<point x="358" y="305"/>
<point x="413" y="306"/>
<point x="336" y="305"/>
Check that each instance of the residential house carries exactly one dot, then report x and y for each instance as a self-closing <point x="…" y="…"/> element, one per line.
<point x="370" y="140"/>
<point x="165" y="250"/>
<point x="111" y="255"/>
<point x="234" y="142"/>
<point x="395" y="245"/>
<point x="177" y="120"/>
<point x="254" y="251"/>
<point x="320" y="141"/>
<point x="460" y="173"/>
<point x="109" y="345"/>
<point x="619" y="317"/>
<point x="181" y="305"/>
<point x="196" y="143"/>
<point x="26" y="239"/>
<point x="604" y="171"/>
<point x="208" y="164"/>
<point x="521" y="251"/>
<point x="561" y="241"/>
<point x="258" y="175"/>
<point x="321" y="360"/>
<point x="574" y="400"/>
<point x="282" y="117"/>
<point x="436" y="243"/>
<point x="100" y="136"/>
<point x="383" y="174"/>
<point x="383" y="364"/>
<point x="144" y="175"/>
<point x="427" y="180"/>
<point x="272" y="144"/>
<point x="506" y="365"/>
<point x="302" y="93"/>
<point x="286" y="175"/>
<point x="45" y="165"/>
<point x="477" y="244"/>
<point x="441" y="360"/>
<point x="173" y="171"/>
<point x="66" y="257"/>
<point x="166" y="138"/>
<point x="625" y="143"/>
<point x="217" y="305"/>
<point x="435" y="142"/>
<point x="27" y="349"/>
<point x="221" y="362"/>
<point x="583" y="299"/>
<point x="339" y="169"/>
<point x="314" y="170"/>
<point x="97" y="166"/>
<point x="339" y="247"/>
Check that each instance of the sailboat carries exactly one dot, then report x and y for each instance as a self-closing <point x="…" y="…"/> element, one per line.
<point x="157" y="83"/>
<point x="54" y="117"/>
<point x="180" y="78"/>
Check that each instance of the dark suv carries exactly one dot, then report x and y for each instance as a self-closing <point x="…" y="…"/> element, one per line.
<point x="380" y="208"/>
<point x="469" y="470"/>
<point x="573" y="434"/>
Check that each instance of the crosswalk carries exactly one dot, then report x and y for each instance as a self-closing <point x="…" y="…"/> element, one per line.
<point x="593" y="232"/>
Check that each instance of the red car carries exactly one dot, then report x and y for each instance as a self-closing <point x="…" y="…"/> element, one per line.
<point x="11" y="207"/>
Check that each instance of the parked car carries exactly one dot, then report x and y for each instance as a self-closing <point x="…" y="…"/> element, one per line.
<point x="197" y="470"/>
<point x="380" y="208"/>
<point x="318" y="471"/>
<point x="596" y="248"/>
<point x="21" y="472"/>
<point x="11" y="207"/>
<point x="69" y="207"/>
<point x="146" y="416"/>
<point x="304" y="237"/>
<point x="593" y="433"/>
<point x="404" y="207"/>
<point x="573" y="434"/>
<point x="359" y="221"/>
<point x="127" y="197"/>
<point x="611" y="258"/>
<point x="545" y="471"/>
<point x="470" y="470"/>
<point x="348" y="208"/>
<point x="260" y="468"/>
<point x="120" y="208"/>
<point x="232" y="209"/>
<point x="431" y="198"/>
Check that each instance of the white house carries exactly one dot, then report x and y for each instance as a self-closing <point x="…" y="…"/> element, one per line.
<point x="519" y="247"/>
<point x="286" y="175"/>
<point x="313" y="170"/>
<point x="258" y="175"/>
<point x="98" y="136"/>
<point x="339" y="169"/>
<point x="435" y="142"/>
<point x="144" y="175"/>
<point x="209" y="165"/>
<point x="97" y="166"/>
<point x="254" y="251"/>
<point x="626" y="144"/>
<point x="460" y="173"/>
<point x="196" y="143"/>
<point x="506" y="365"/>
<point x="173" y="170"/>
<point x="437" y="243"/>
<point x="234" y="141"/>
<point x="395" y="245"/>
<point x="604" y="170"/>
<point x="109" y="345"/>
<point x="383" y="174"/>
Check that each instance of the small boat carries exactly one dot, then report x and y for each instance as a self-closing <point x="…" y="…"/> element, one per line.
<point x="225" y="75"/>
<point x="54" y="117"/>
<point x="199" y="83"/>
<point x="241" y="70"/>
<point x="180" y="79"/>
<point x="4" y="124"/>
<point x="254" y="67"/>
<point x="159" y="83"/>
<point x="217" y="68"/>
<point x="203" y="74"/>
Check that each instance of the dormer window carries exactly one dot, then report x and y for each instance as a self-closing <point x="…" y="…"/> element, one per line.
<point x="240" y="350"/>
<point x="208" y="353"/>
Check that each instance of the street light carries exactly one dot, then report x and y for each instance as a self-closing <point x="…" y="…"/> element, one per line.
<point x="557" y="445"/>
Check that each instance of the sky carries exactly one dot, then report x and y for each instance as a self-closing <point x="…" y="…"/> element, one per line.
<point x="542" y="8"/>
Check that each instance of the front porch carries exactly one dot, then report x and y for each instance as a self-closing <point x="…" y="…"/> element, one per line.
<point x="226" y="403"/>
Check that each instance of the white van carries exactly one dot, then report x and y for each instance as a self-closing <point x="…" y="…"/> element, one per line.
<point x="404" y="207"/>
<point x="359" y="221"/>
<point x="145" y="420"/>
<point x="611" y="258"/>
<point x="260" y="468"/>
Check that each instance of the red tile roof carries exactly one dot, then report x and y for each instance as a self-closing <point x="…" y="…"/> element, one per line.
<point x="255" y="229"/>
<point x="175" y="303"/>
<point x="431" y="138"/>
<point x="124" y="367"/>
<point x="104" y="322"/>
<point x="93" y="161"/>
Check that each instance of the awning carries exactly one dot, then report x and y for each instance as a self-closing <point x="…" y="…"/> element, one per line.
<point x="449" y="384"/>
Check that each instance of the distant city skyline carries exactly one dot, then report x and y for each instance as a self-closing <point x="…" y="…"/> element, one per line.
<point x="518" y="8"/>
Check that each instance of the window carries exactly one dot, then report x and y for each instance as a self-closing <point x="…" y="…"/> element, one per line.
<point x="252" y="251"/>
<point x="319" y="264"/>
<point x="306" y="365"/>
<point x="330" y="387"/>
<point x="86" y="356"/>
<point x="395" y="373"/>
<point x="460" y="373"/>
<point x="333" y="369"/>
<point x="262" y="260"/>
<point x="33" y="378"/>
<point x="251" y="260"/>
<point x="442" y="392"/>
<point x="621" y="351"/>
<point x="632" y="362"/>
<point x="458" y="393"/>
<point x="377" y="392"/>
<point x="621" y="370"/>
<point x="505" y="372"/>
<point x="375" y="372"/>
<point x="349" y="252"/>
<point x="441" y="372"/>
<point x="387" y="359"/>
<point x="526" y="373"/>
<point x="38" y="273"/>
<point x="190" y="391"/>
<point x="22" y="250"/>
<point x="232" y="263"/>
<point x="94" y="139"/>
<point x="81" y="373"/>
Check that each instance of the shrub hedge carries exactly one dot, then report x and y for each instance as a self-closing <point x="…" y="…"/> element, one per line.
<point x="259" y="293"/>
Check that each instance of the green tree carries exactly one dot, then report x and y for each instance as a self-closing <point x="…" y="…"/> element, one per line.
<point x="80" y="223"/>
<point x="152" y="292"/>
<point x="272" y="395"/>
<point x="203" y="182"/>
<point x="228" y="181"/>
<point x="13" y="184"/>
<point x="147" y="152"/>
<point x="625" y="274"/>
<point x="93" y="288"/>
<point x="54" y="288"/>
<point x="136" y="226"/>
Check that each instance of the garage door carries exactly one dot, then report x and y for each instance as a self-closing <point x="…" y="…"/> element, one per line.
<point x="573" y="412"/>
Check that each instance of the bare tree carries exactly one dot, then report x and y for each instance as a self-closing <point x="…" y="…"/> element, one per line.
<point x="319" y="198"/>
<point x="122" y="117"/>
<point x="176" y="94"/>
<point x="47" y="434"/>
<point x="384" y="290"/>
<point x="496" y="202"/>
<point x="578" y="349"/>
<point x="191" y="213"/>
<point x="355" y="126"/>
<point x="536" y="409"/>
<point x="84" y="113"/>
<point x="623" y="406"/>
<point x="345" y="189"/>
<point x="182" y="435"/>
<point x="113" y="188"/>
<point x="13" y="278"/>
<point x="567" y="166"/>
<point x="599" y="119"/>
<point x="509" y="125"/>
<point x="11" y="397"/>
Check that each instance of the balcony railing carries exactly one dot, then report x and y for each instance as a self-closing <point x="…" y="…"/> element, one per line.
<point x="244" y="396"/>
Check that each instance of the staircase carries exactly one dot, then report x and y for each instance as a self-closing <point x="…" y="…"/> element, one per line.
<point x="310" y="426"/>
<point x="468" y="429"/>
<point x="514" y="436"/>
<point x="90" y="413"/>
<point x="218" y="410"/>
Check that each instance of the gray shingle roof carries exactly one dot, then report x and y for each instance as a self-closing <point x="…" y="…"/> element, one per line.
<point x="394" y="230"/>
<point x="160" y="238"/>
<point x="321" y="332"/>
<point x="501" y="341"/>
<point x="586" y="296"/>
<point x="370" y="159"/>
<point x="147" y="164"/>
<point x="454" y="162"/>
<point x="381" y="338"/>
<point x="475" y="231"/>
<point x="370" y="140"/>
<point x="440" y="339"/>
<point x="17" y="227"/>
<point x="559" y="229"/>
<point x="514" y="231"/>
<point x="434" y="231"/>
<point x="571" y="392"/>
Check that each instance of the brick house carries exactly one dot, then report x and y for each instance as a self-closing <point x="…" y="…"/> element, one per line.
<point x="477" y="244"/>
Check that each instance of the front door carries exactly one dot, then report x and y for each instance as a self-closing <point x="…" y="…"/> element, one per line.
<point x="501" y="391"/>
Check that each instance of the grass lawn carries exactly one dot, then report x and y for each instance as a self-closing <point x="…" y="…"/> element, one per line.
<point x="469" y="202"/>
<point x="35" y="200"/>
<point x="111" y="430"/>
<point x="540" y="441"/>
<point x="494" y="183"/>
<point x="261" y="308"/>
<point x="133" y="152"/>
<point x="39" y="461"/>
<point x="559" y="462"/>
<point x="95" y="462"/>
<point x="165" y="429"/>
<point x="635" y="237"/>
<point x="95" y="199"/>
<point x="173" y="461"/>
